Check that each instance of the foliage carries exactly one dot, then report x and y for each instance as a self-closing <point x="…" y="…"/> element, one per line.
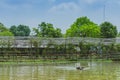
<point x="4" y="31"/>
<point x="47" y="30"/>
<point x="20" y="30"/>
<point x="60" y="48"/>
<point x="35" y="42"/>
<point x="2" y="28"/>
<point x="83" y="27"/>
<point x="118" y="47"/>
<point x="118" y="35"/>
<point x="13" y="29"/>
<point x="90" y="30"/>
<point x="6" y="41"/>
<point x="108" y="30"/>
<point x="70" y="48"/>
<point x="84" y="47"/>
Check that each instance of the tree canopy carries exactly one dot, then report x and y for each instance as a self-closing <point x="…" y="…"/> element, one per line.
<point x="108" y="30"/>
<point x="47" y="30"/>
<point x="2" y="28"/>
<point x="4" y="31"/>
<point x="83" y="27"/>
<point x="90" y="30"/>
<point x="20" y="30"/>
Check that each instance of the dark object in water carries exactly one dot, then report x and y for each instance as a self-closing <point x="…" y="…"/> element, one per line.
<point x="79" y="68"/>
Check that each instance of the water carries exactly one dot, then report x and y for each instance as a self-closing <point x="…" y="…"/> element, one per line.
<point x="92" y="71"/>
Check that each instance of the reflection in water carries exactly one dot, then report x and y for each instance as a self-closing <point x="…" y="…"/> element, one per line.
<point x="96" y="71"/>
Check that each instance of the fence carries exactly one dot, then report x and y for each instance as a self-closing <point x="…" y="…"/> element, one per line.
<point x="13" y="48"/>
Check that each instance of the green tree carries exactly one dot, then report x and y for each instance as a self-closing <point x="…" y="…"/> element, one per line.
<point x="13" y="29"/>
<point x="80" y="28"/>
<point x="58" y="33"/>
<point x="2" y="28"/>
<point x="20" y="30"/>
<point x="4" y="31"/>
<point x="47" y="30"/>
<point x="108" y="30"/>
<point x="90" y="30"/>
<point x="118" y="35"/>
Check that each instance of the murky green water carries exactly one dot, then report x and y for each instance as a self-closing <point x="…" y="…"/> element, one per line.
<point x="93" y="71"/>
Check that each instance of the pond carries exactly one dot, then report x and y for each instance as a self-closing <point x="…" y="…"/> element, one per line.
<point x="93" y="71"/>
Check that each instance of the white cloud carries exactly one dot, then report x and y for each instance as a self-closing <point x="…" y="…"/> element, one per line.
<point x="65" y="7"/>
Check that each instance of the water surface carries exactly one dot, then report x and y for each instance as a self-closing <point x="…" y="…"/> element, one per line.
<point x="93" y="71"/>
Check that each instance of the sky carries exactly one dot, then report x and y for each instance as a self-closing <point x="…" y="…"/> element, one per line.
<point x="61" y="13"/>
